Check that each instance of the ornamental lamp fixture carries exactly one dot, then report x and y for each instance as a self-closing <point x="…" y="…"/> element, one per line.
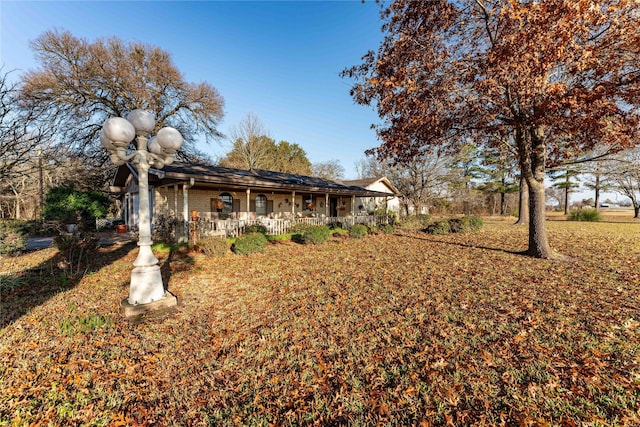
<point x="146" y="291"/>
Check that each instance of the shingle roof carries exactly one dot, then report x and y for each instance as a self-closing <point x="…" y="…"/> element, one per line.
<point x="256" y="178"/>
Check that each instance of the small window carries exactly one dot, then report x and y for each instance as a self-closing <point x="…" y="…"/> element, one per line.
<point x="261" y="205"/>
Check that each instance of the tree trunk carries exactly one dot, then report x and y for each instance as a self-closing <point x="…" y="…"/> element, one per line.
<point x="566" y="195"/>
<point x="597" y="189"/>
<point x="534" y="173"/>
<point x="538" y="241"/>
<point x="17" y="205"/>
<point x="636" y="209"/>
<point x="523" y="206"/>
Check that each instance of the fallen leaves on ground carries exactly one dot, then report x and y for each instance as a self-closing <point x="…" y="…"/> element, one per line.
<point x="404" y="329"/>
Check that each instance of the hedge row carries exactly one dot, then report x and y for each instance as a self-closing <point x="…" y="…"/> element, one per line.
<point x="255" y="240"/>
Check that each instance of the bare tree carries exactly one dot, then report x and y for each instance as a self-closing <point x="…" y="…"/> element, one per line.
<point x="331" y="169"/>
<point x="623" y="176"/>
<point x="79" y="84"/>
<point x="418" y="181"/>
<point x="21" y="136"/>
<point x="251" y="145"/>
<point x="253" y="148"/>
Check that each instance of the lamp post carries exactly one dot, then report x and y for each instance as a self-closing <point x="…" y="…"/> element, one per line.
<point x="146" y="291"/>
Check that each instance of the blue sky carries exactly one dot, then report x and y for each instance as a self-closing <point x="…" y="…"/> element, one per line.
<point x="279" y="60"/>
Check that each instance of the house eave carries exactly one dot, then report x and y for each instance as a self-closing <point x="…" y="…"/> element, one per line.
<point x="242" y="180"/>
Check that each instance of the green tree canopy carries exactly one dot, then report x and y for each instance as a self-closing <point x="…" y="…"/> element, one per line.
<point x="254" y="149"/>
<point x="73" y="206"/>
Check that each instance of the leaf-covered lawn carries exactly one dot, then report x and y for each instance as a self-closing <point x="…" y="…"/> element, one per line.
<point x="404" y="329"/>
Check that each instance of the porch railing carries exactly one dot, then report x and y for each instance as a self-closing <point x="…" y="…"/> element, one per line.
<point x="274" y="226"/>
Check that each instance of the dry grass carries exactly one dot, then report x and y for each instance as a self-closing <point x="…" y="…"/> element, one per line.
<point x="404" y="329"/>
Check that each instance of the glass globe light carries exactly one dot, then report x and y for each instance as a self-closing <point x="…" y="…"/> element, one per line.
<point x="142" y="120"/>
<point x="106" y="143"/>
<point x="154" y="147"/>
<point x="119" y="131"/>
<point x="169" y="139"/>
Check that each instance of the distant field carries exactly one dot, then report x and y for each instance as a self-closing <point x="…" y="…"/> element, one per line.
<point x="608" y="214"/>
<point x="403" y="329"/>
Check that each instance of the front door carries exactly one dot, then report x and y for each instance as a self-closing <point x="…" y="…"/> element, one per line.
<point x="333" y="206"/>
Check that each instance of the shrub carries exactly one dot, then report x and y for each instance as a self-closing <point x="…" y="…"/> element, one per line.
<point x="12" y="237"/>
<point x="340" y="233"/>
<point x="456" y="225"/>
<point x="473" y="223"/>
<point x="214" y="246"/>
<point x="387" y="228"/>
<point x="161" y="248"/>
<point x="254" y="228"/>
<point x="278" y="238"/>
<point x="250" y="243"/>
<point x="373" y="230"/>
<point x="75" y="251"/>
<point x="316" y="234"/>
<point x="358" y="231"/>
<point x="297" y="232"/>
<point x="439" y="227"/>
<point x="336" y="225"/>
<point x="585" y="215"/>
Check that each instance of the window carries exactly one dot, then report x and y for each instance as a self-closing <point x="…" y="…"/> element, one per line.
<point x="261" y="204"/>
<point x="227" y="205"/>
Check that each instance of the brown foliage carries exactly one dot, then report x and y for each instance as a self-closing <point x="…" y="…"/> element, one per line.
<point x="544" y="80"/>
<point x="404" y="329"/>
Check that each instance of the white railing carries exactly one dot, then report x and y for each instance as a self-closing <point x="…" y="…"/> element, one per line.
<point x="275" y="226"/>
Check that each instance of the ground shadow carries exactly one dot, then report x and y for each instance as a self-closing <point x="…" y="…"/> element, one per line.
<point x="179" y="259"/>
<point x="21" y="291"/>
<point x="430" y="238"/>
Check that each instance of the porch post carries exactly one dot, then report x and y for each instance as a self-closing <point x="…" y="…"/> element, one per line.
<point x="248" y="202"/>
<point x="175" y="200"/>
<point x="353" y="205"/>
<point x="125" y="208"/>
<point x="293" y="203"/>
<point x="326" y="204"/>
<point x="185" y="209"/>
<point x="176" y="235"/>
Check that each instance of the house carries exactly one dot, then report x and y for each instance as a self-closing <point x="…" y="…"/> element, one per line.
<point x="223" y="200"/>
<point x="371" y="204"/>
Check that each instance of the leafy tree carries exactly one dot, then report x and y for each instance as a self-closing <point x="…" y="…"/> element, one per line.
<point x="596" y="178"/>
<point x="290" y="158"/>
<point x="559" y="76"/>
<point x="496" y="172"/>
<point x="465" y="170"/>
<point x="331" y="169"/>
<point x="73" y="206"/>
<point x="79" y="84"/>
<point x="563" y="181"/>
<point x="254" y="149"/>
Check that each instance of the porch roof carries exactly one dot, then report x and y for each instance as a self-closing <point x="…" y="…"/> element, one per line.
<point x="206" y="176"/>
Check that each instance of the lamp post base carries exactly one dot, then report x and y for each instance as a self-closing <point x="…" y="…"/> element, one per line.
<point x="130" y="310"/>
<point x="146" y="285"/>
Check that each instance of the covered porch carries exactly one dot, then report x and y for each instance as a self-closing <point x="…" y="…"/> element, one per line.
<point x="220" y="201"/>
